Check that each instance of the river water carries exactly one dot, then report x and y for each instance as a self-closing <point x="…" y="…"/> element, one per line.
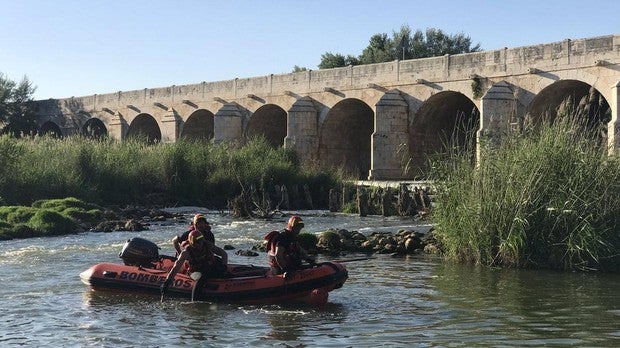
<point x="393" y="302"/>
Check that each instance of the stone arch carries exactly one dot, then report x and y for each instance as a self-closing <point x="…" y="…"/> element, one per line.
<point x="444" y="120"/>
<point x="345" y="137"/>
<point x="269" y="121"/>
<point x="94" y="128"/>
<point x="199" y="125"/>
<point x="50" y="128"/>
<point x="581" y="97"/>
<point x="145" y="127"/>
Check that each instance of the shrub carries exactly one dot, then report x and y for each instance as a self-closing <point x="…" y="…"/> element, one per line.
<point x="549" y="197"/>
<point x="185" y="172"/>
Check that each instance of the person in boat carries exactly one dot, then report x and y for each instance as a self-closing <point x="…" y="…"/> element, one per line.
<point x="200" y="224"/>
<point x="202" y="258"/>
<point x="284" y="254"/>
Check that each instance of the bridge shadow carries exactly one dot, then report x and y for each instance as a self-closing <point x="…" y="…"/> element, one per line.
<point x="433" y="85"/>
<point x="611" y="67"/>
<point x="550" y="76"/>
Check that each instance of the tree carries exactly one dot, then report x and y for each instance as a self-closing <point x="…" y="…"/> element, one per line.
<point x="379" y="50"/>
<point x="351" y="60"/>
<point x="17" y="114"/>
<point x="404" y="44"/>
<point x="297" y="68"/>
<point x="439" y="43"/>
<point x="330" y="60"/>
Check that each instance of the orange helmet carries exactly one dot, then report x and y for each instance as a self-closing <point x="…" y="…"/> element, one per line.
<point x="199" y="217"/>
<point x="193" y="237"/>
<point x="295" y="221"/>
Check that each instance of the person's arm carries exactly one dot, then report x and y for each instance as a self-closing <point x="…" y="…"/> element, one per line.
<point x="221" y="253"/>
<point x="173" y="271"/>
<point x="176" y="244"/>
<point x="280" y="258"/>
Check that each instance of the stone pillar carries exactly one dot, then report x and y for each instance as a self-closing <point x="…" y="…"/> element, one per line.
<point x="117" y="127"/>
<point x="613" y="127"/>
<point x="390" y="138"/>
<point x="497" y="108"/>
<point x="170" y="127"/>
<point x="302" y="130"/>
<point x="228" y="124"/>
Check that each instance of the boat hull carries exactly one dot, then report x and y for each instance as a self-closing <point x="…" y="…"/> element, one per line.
<point x="248" y="284"/>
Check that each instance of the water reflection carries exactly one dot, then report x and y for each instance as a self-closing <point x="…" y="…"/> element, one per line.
<point x="290" y="323"/>
<point x="106" y="299"/>
<point x="285" y="325"/>
<point x="533" y="307"/>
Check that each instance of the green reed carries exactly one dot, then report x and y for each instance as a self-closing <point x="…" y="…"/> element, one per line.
<point x="548" y="197"/>
<point x="111" y="172"/>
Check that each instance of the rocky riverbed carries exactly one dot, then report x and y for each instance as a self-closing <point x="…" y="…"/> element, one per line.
<point x="330" y="242"/>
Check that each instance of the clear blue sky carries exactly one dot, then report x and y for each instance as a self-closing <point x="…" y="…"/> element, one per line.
<point x="82" y="47"/>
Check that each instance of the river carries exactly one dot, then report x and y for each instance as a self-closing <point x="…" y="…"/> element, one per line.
<point x="394" y="302"/>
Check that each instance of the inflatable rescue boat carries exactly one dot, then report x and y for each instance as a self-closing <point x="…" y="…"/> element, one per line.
<point x="144" y="271"/>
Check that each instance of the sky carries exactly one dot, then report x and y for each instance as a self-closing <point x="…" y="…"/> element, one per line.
<point x="78" y="48"/>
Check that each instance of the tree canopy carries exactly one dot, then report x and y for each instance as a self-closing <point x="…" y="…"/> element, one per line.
<point x="403" y="44"/>
<point x="330" y="60"/>
<point x="17" y="114"/>
<point x="298" y="68"/>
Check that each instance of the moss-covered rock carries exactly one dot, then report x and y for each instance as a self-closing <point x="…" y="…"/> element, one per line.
<point x="5" y="229"/>
<point x="329" y="241"/>
<point x="64" y="203"/>
<point x="51" y="223"/>
<point x="78" y="214"/>
<point x="16" y="214"/>
<point x="10" y="231"/>
<point x="307" y="241"/>
<point x="47" y="218"/>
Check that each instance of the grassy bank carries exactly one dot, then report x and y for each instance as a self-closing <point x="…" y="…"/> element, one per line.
<point x="548" y="197"/>
<point x="184" y="173"/>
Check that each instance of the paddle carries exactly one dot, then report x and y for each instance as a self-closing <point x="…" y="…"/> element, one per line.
<point x="353" y="260"/>
<point x="164" y="288"/>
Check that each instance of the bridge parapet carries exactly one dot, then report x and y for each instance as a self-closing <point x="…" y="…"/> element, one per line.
<point x="497" y="63"/>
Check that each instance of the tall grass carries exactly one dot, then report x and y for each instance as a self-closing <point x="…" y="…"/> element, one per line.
<point x="110" y="172"/>
<point x="547" y="198"/>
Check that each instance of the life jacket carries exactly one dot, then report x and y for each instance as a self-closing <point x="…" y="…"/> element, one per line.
<point x="271" y="239"/>
<point x="291" y="252"/>
<point x="199" y="261"/>
<point x="208" y="234"/>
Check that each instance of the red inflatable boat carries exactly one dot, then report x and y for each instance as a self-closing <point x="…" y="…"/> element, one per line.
<point x="144" y="271"/>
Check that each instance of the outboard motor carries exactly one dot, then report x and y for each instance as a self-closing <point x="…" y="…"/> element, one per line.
<point x="139" y="252"/>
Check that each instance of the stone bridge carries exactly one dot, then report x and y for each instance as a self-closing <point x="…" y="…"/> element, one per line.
<point x="377" y="121"/>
